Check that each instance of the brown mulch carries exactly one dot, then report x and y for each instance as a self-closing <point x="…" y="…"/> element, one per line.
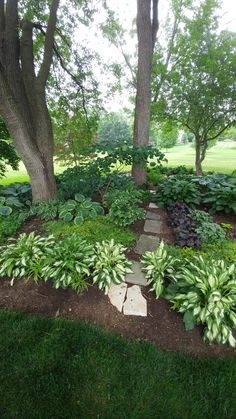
<point x="163" y="326"/>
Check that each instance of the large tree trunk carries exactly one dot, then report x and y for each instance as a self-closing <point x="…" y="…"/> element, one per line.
<point x="146" y="28"/>
<point x="22" y="96"/>
<point x="198" y="162"/>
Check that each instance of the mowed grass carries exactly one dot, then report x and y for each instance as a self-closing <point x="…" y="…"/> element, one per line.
<point x="220" y="158"/>
<point x="12" y="176"/>
<point x="64" y="369"/>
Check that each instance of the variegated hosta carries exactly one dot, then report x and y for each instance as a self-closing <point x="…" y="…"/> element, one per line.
<point x="157" y="265"/>
<point x="110" y="264"/>
<point x="19" y="258"/>
<point x="206" y="290"/>
<point x="68" y="263"/>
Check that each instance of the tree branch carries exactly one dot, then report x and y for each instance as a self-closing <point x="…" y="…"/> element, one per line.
<point x="27" y="55"/>
<point x="48" y="45"/>
<point x="155" y="23"/>
<point x="11" y="34"/>
<point x="2" y="28"/>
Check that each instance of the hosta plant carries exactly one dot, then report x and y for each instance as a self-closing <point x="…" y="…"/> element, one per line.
<point x="68" y="263"/>
<point x="79" y="208"/>
<point x="124" y="206"/>
<point x="156" y="266"/>
<point x="174" y="189"/>
<point x="46" y="210"/>
<point x="110" y="264"/>
<point x="205" y="291"/>
<point x="7" y="204"/>
<point x="17" y="259"/>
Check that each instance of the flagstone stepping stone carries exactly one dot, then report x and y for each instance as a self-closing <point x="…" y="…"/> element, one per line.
<point x="146" y="244"/>
<point x="153" y="215"/>
<point x="116" y="295"/>
<point x="152" y="226"/>
<point x="138" y="277"/>
<point x="135" y="304"/>
<point x="152" y="205"/>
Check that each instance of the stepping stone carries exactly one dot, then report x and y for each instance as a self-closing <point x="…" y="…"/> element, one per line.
<point x="152" y="205"/>
<point x="152" y="215"/>
<point x="137" y="277"/>
<point x="116" y="295"/>
<point x="135" y="304"/>
<point x="146" y="244"/>
<point x="152" y="226"/>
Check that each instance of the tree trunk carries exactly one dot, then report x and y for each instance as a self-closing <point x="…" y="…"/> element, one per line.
<point x="198" y="163"/>
<point x="22" y="96"/>
<point x="146" y="28"/>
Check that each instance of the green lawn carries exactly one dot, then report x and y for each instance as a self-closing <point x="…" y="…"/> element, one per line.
<point x="220" y="158"/>
<point x="12" y="176"/>
<point x="64" y="369"/>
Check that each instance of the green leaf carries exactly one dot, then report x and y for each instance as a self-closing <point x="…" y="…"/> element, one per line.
<point x="79" y="220"/>
<point x="189" y="321"/>
<point x="5" y="210"/>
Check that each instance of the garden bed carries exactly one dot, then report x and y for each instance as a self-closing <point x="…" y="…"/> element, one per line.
<point x="163" y="326"/>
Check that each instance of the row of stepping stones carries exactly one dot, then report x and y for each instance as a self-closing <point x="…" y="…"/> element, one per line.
<point x="129" y="299"/>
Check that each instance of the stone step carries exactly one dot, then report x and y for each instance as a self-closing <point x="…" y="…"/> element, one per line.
<point x="152" y="215"/>
<point x="135" y="304"/>
<point x="152" y="226"/>
<point x="137" y="277"/>
<point x="146" y="244"/>
<point x="116" y="295"/>
<point x="152" y="205"/>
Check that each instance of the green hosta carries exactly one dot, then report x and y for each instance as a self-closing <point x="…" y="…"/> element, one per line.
<point x="110" y="264"/>
<point x="46" y="210"/>
<point x="205" y="291"/>
<point x="68" y="263"/>
<point x="79" y="208"/>
<point x="156" y="266"/>
<point x="7" y="204"/>
<point x="20" y="258"/>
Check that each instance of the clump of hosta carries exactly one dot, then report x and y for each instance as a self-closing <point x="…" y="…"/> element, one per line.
<point x="21" y="257"/>
<point x="68" y="263"/>
<point x="156" y="266"/>
<point x="110" y="264"/>
<point x="205" y="291"/>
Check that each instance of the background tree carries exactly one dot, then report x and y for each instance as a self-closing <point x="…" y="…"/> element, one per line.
<point x="8" y="155"/>
<point x="147" y="26"/>
<point x="199" y="89"/>
<point x="114" y="130"/>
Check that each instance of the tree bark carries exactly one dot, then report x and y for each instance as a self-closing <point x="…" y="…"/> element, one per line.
<point x="198" y="162"/>
<point x="146" y="29"/>
<point x="23" y="99"/>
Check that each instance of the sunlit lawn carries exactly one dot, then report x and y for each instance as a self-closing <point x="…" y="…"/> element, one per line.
<point x="220" y="158"/>
<point x="12" y="176"/>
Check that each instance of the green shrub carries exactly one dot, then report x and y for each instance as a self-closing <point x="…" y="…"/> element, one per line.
<point x="10" y="224"/>
<point x="211" y="233"/>
<point x="19" y="258"/>
<point x="175" y="189"/>
<point x="221" y="199"/>
<point x="110" y="264"/>
<point x="67" y="263"/>
<point x="93" y="230"/>
<point x="155" y="176"/>
<point x="206" y="293"/>
<point x="156" y="266"/>
<point x="124" y="207"/>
